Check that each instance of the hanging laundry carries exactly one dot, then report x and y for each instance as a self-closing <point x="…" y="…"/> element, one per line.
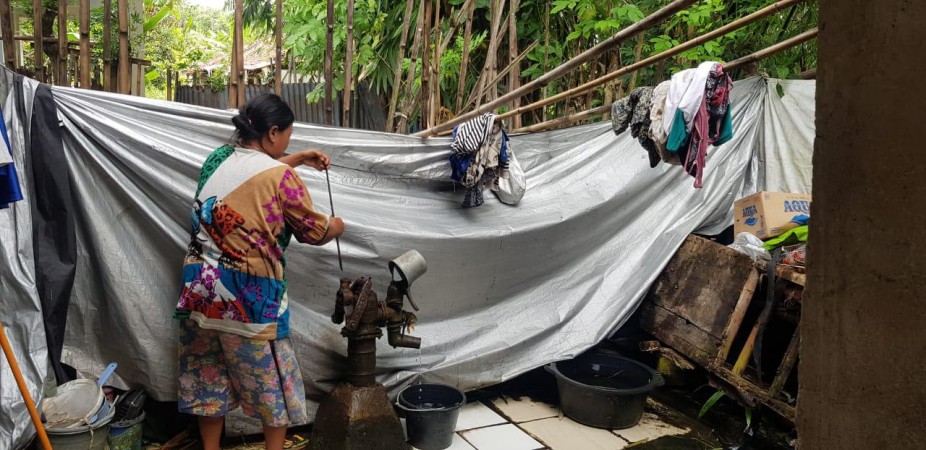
<point x="9" y="182"/>
<point x="633" y="111"/>
<point x="479" y="157"/>
<point x="657" y="130"/>
<point x="685" y="94"/>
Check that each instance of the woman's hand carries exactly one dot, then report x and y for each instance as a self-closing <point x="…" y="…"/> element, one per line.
<point x="316" y="158"/>
<point x="312" y="158"/>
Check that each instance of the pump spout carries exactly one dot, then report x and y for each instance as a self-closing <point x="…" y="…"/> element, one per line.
<point x="397" y="339"/>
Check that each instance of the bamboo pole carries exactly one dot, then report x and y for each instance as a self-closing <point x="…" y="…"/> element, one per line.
<point x="455" y="22"/>
<point x="435" y="68"/>
<point x="61" y="75"/>
<point x="170" y="86"/>
<point x="23" y="389"/>
<point x="599" y="49"/>
<point x="514" y="77"/>
<point x="765" y="53"/>
<point x="6" y="27"/>
<point x="546" y="52"/>
<point x="232" y="79"/>
<point x="424" y="95"/>
<point x="329" y="69"/>
<point x="397" y="69"/>
<point x="464" y="63"/>
<point x="502" y="74"/>
<point x="108" y="84"/>
<point x="408" y="102"/>
<point x="775" y="49"/>
<point x="564" y="120"/>
<point x="687" y="45"/>
<point x="239" y="52"/>
<point x="124" y="79"/>
<point x="496" y="9"/>
<point x="84" y="16"/>
<point x="38" y="43"/>
<point x="348" y="67"/>
<point x="278" y="37"/>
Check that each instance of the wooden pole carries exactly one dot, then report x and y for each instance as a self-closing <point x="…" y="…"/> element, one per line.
<point x="514" y="78"/>
<point x="397" y="69"/>
<point x="464" y="63"/>
<point x="329" y="69"/>
<point x="348" y="67"/>
<point x="84" y="44"/>
<point x="585" y="87"/>
<point x="38" y="43"/>
<point x="6" y="27"/>
<point x="612" y="42"/>
<point x="24" y="390"/>
<point x="777" y="48"/>
<point x="408" y="103"/>
<point x="124" y="79"/>
<point x="809" y="74"/>
<point x="434" y="105"/>
<point x="108" y="84"/>
<point x="564" y="120"/>
<point x="61" y="77"/>
<point x="239" y="52"/>
<point x="278" y="62"/>
<point x="546" y="52"/>
<point x="232" y="79"/>
<point x="170" y="86"/>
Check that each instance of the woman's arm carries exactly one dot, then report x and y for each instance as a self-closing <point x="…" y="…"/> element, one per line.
<point x="313" y="158"/>
<point x="335" y="230"/>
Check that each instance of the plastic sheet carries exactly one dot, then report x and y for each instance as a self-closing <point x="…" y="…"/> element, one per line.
<point x="508" y="288"/>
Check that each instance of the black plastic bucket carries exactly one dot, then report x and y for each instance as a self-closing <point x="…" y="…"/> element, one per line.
<point x="431" y="412"/>
<point x="604" y="391"/>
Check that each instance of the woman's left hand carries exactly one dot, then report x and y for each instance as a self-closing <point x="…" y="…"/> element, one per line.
<point x="316" y="158"/>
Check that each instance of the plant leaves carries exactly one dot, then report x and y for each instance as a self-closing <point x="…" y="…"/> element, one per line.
<point x="710" y="403"/>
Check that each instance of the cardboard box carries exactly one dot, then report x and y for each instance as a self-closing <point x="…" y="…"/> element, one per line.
<point x="769" y="214"/>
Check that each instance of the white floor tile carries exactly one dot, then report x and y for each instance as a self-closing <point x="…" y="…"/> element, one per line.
<point x="651" y="427"/>
<point x="524" y="409"/>
<point x="565" y="434"/>
<point x="476" y="415"/>
<point x="501" y="437"/>
<point x="458" y="444"/>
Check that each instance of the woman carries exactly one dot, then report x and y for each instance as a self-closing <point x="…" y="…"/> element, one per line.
<point x="234" y="327"/>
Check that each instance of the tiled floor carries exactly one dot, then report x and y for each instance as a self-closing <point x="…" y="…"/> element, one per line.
<point x="523" y="424"/>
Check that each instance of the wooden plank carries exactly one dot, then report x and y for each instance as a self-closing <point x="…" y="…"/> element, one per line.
<point x="784" y="272"/>
<point x="678" y="333"/>
<point x="702" y="284"/>
<point x="6" y="27"/>
<point x="787" y="364"/>
<point x="753" y="393"/>
<point x="739" y="312"/>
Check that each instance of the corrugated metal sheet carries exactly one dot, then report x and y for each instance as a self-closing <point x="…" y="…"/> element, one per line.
<point x="367" y="112"/>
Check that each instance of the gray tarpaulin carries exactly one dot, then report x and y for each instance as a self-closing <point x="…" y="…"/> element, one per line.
<point x="508" y="288"/>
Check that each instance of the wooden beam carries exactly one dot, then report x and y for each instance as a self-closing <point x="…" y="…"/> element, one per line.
<point x="329" y="66"/>
<point x="787" y="364"/>
<point x="6" y="27"/>
<point x="84" y="17"/>
<point x="278" y="61"/>
<point x="588" y="55"/>
<point x="348" y="67"/>
<point x="38" y="43"/>
<point x="124" y="79"/>
<point x="61" y="78"/>
<point x="739" y="312"/>
<point x="677" y="50"/>
<point x="397" y="69"/>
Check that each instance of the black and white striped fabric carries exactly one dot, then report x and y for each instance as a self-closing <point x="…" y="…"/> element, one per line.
<point x="471" y="134"/>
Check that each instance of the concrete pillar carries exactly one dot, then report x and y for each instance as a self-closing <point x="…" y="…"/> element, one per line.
<point x="863" y="355"/>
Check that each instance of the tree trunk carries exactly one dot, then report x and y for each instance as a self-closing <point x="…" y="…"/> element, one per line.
<point x="278" y="60"/>
<point x="637" y="55"/>
<point x="108" y="84"/>
<point x="348" y="67"/>
<point x="408" y="101"/>
<point x="237" y="72"/>
<point x="38" y="44"/>
<point x="329" y="69"/>
<point x="84" y="44"/>
<point x="514" y="77"/>
<point x="6" y="26"/>
<point x="125" y="68"/>
<point x="397" y="70"/>
<point x="467" y="40"/>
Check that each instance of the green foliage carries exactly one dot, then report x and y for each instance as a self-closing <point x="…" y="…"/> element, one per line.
<point x="710" y="403"/>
